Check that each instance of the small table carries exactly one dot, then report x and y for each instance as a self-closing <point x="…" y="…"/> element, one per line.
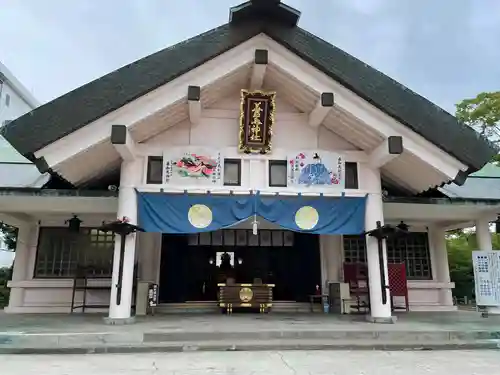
<point x="246" y="295"/>
<point x="314" y="297"/>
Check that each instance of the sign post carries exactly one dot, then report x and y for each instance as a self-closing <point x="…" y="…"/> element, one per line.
<point x="152" y="297"/>
<point x="486" y="266"/>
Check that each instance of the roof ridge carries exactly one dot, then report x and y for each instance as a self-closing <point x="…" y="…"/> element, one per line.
<point x="404" y="87"/>
<point x="95" y="99"/>
<point x="385" y="93"/>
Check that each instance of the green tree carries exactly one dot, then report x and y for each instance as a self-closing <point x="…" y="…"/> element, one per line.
<point x="10" y="235"/>
<point x="460" y="246"/>
<point x="5" y="274"/>
<point x="482" y="113"/>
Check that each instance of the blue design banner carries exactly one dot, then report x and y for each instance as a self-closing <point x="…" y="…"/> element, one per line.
<point x="183" y="213"/>
<point x="321" y="215"/>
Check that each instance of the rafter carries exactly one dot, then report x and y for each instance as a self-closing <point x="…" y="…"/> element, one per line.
<point x="123" y="142"/>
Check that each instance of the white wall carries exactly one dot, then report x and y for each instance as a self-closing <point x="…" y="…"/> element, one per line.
<point x="39" y="295"/>
<point x="219" y="128"/>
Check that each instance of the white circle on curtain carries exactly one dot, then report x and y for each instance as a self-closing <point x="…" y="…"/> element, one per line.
<point x="306" y="217"/>
<point x="200" y="216"/>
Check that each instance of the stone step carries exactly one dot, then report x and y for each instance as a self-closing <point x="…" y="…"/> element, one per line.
<point x="160" y="337"/>
<point x="211" y="307"/>
<point x="249" y="345"/>
<point x="332" y="335"/>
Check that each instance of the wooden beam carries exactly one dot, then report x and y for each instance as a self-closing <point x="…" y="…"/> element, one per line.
<point x="123" y="142"/>
<point x="389" y="149"/>
<point x="318" y="114"/>
<point x="259" y="69"/>
<point x="194" y="102"/>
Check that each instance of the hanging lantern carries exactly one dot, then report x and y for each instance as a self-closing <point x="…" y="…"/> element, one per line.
<point x="74" y="224"/>
<point x="403" y="226"/>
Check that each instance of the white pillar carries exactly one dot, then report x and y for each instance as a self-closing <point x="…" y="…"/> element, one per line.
<point x="441" y="266"/>
<point x="127" y="206"/>
<point x="21" y="260"/>
<point x="380" y="313"/>
<point x="483" y="235"/>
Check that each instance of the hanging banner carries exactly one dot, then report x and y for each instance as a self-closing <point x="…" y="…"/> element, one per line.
<point x="184" y="213"/>
<point x="197" y="167"/>
<point x="257" y="109"/>
<point x="313" y="168"/>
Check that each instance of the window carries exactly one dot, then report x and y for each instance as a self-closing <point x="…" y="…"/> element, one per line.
<point x="354" y="249"/>
<point x="7" y="100"/>
<point x="155" y="170"/>
<point x="278" y="173"/>
<point x="60" y="252"/>
<point x="232" y="172"/>
<point x="242" y="237"/>
<point x="413" y="250"/>
<point x="351" y="175"/>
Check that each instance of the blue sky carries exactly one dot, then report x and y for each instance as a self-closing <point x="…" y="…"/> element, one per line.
<point x="445" y="50"/>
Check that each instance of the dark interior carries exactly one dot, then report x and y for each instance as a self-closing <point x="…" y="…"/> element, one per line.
<point x="189" y="270"/>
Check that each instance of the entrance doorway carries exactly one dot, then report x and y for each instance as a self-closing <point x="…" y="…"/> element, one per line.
<point x="189" y="263"/>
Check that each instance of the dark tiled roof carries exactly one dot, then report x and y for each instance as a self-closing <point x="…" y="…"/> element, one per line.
<point x="74" y="110"/>
<point x="88" y="103"/>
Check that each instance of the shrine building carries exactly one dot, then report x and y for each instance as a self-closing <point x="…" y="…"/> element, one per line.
<point x="255" y="145"/>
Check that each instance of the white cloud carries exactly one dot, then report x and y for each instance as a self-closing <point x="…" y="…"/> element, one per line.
<point x="366" y="6"/>
<point x="55" y="46"/>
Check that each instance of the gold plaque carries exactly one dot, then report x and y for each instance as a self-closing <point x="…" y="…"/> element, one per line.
<point x="257" y="110"/>
<point x="246" y="294"/>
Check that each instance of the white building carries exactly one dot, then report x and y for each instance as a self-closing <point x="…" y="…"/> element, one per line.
<point x="388" y="154"/>
<point x="15" y="99"/>
<point x="15" y="169"/>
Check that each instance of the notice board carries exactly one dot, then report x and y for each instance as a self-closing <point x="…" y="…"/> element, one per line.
<point x="487" y="277"/>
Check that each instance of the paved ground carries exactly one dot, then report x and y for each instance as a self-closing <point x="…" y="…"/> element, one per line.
<point x="65" y="323"/>
<point x="256" y="363"/>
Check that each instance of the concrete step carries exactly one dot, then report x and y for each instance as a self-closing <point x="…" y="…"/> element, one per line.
<point x="331" y="335"/>
<point x="202" y="307"/>
<point x="211" y="307"/>
<point x="160" y="338"/>
<point x="249" y="345"/>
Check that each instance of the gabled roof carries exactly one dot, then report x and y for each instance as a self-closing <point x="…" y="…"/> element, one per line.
<point x="80" y="107"/>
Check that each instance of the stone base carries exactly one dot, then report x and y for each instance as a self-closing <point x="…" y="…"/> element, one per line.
<point x="119" y="321"/>
<point x="493" y="310"/>
<point x="379" y="320"/>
